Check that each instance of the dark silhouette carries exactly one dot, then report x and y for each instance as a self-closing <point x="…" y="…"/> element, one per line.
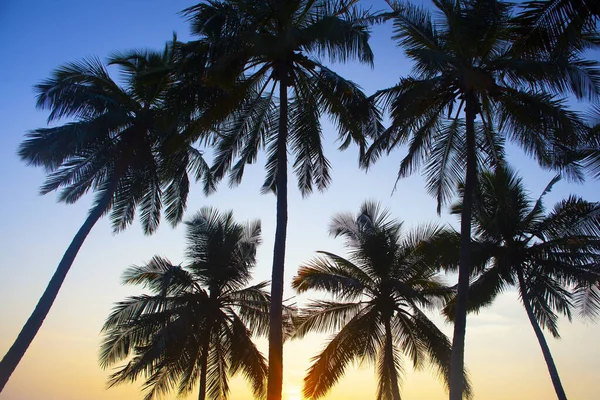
<point x="275" y="45"/>
<point x="544" y="254"/>
<point x="117" y="147"/>
<point x="383" y="288"/>
<point x="466" y="64"/>
<point x="195" y="326"/>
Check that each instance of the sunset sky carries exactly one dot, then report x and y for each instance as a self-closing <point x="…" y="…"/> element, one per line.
<point x="503" y="356"/>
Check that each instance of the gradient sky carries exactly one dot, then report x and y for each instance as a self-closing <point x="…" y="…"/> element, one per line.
<point x="502" y="353"/>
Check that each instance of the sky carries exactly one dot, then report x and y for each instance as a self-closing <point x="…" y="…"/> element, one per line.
<point x="502" y="355"/>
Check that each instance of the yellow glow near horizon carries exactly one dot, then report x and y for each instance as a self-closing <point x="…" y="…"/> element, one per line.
<point x="293" y="393"/>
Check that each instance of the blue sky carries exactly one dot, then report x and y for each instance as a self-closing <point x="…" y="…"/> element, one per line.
<point x="34" y="232"/>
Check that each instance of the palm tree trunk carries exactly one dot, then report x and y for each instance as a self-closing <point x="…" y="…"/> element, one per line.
<point x="457" y="361"/>
<point x="558" y="388"/>
<point x="32" y="326"/>
<point x="389" y="350"/>
<point x="203" y="368"/>
<point x="275" y="382"/>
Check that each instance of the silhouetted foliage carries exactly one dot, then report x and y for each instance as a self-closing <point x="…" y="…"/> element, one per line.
<point x="381" y="292"/>
<point x="276" y="45"/>
<point x="196" y="324"/>
<point x="552" y="258"/>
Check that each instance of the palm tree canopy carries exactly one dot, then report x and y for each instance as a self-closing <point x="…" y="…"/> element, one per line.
<point x="557" y="251"/>
<point x="118" y="139"/>
<point x="386" y="280"/>
<point x="160" y="335"/>
<point x="467" y="50"/>
<point x="266" y="41"/>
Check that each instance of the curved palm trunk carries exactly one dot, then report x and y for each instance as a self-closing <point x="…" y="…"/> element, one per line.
<point x="457" y="361"/>
<point x="32" y="326"/>
<point x="275" y="382"/>
<point x="558" y="388"/>
<point x="389" y="355"/>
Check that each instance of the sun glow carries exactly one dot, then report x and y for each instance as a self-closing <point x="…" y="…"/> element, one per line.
<point x="293" y="393"/>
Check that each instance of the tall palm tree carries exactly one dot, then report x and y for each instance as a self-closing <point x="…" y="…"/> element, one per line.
<point x="196" y="324"/>
<point x="383" y="288"/>
<point x="118" y="146"/>
<point x="466" y="66"/>
<point x="545" y="255"/>
<point x="276" y="45"/>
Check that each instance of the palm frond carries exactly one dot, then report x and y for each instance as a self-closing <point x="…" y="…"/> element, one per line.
<point x="337" y="30"/>
<point x="482" y="292"/>
<point x="81" y="90"/>
<point x="547" y="298"/>
<point x="305" y="141"/>
<point x="586" y="297"/>
<point x="439" y="349"/>
<point x="572" y="216"/>
<point x="246" y="358"/>
<point x="332" y="274"/>
<point x="325" y="316"/>
<point x="358" y="340"/>
<point x="444" y="170"/>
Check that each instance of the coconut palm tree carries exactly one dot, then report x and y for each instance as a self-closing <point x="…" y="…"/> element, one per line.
<point x="466" y="66"/>
<point x="381" y="291"/>
<point x="116" y="145"/>
<point x="196" y="325"/>
<point x="552" y="258"/>
<point x="276" y="44"/>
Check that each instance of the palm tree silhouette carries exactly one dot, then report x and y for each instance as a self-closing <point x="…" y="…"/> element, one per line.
<point x="544" y="254"/>
<point x="196" y="325"/>
<point x="468" y="64"/>
<point x="383" y="289"/>
<point x="276" y="45"/>
<point x="119" y="145"/>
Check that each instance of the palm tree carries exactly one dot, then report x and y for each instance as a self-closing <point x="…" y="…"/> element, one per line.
<point x="275" y="44"/>
<point x="466" y="66"/>
<point x="118" y="146"/>
<point x="383" y="288"/>
<point x="196" y="324"/>
<point x="544" y="254"/>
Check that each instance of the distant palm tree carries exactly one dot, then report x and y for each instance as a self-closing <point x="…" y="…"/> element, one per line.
<point x="466" y="66"/>
<point x="196" y="324"/>
<point x="118" y="145"/>
<point x="382" y="288"/>
<point x="544" y="255"/>
<point x="276" y="44"/>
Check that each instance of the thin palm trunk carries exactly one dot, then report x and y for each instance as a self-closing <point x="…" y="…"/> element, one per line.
<point x="203" y="368"/>
<point x="275" y="382"/>
<point x="32" y="326"/>
<point x="558" y="388"/>
<point x="389" y="351"/>
<point x="457" y="361"/>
